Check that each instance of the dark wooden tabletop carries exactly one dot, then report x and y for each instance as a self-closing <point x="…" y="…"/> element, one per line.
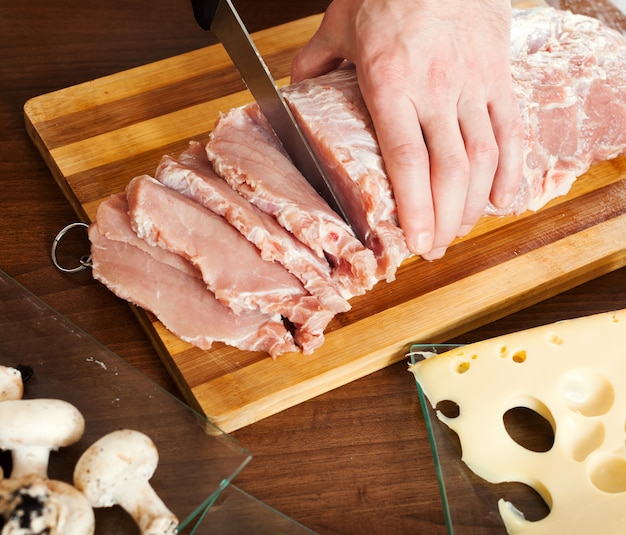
<point x="353" y="461"/>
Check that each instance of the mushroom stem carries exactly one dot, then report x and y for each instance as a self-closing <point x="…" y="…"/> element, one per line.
<point x="150" y="513"/>
<point x="31" y="428"/>
<point x="115" y="470"/>
<point x="30" y="460"/>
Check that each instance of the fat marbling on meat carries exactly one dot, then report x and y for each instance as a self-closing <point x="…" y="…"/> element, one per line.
<point x="569" y="75"/>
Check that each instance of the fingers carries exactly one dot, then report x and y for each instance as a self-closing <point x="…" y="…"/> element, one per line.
<point x="473" y="160"/>
<point x="406" y="158"/>
<point x="427" y="161"/>
<point x="507" y="126"/>
<point x="448" y="125"/>
<point x="483" y="154"/>
<point x="450" y="179"/>
<point x="444" y="172"/>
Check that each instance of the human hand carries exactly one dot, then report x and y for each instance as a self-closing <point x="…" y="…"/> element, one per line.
<point x="435" y="76"/>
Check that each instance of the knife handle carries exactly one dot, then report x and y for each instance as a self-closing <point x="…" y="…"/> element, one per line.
<point x="204" y="12"/>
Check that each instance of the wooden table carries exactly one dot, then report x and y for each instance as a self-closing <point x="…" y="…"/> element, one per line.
<point x="355" y="460"/>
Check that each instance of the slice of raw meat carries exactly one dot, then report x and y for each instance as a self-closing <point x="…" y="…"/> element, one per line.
<point x="178" y="298"/>
<point x="192" y="175"/>
<point x="333" y="116"/>
<point x="231" y="266"/>
<point x="114" y="224"/>
<point x="246" y="153"/>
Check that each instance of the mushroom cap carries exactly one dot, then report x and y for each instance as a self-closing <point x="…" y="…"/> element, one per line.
<point x="11" y="384"/>
<point x="36" y="505"/>
<point x="52" y="423"/>
<point x="113" y="463"/>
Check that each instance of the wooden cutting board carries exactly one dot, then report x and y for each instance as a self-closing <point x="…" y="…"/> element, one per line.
<point x="97" y="136"/>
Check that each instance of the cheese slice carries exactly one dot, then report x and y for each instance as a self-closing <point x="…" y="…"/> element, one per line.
<point x="573" y="373"/>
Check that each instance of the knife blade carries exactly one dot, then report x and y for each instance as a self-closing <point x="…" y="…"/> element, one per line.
<point x="222" y="19"/>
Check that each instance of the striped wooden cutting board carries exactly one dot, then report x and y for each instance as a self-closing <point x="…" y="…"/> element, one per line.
<point x="98" y="135"/>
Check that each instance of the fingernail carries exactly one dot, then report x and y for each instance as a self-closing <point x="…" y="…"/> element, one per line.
<point x="464" y="230"/>
<point x="507" y="200"/>
<point x="435" y="254"/>
<point x="424" y="242"/>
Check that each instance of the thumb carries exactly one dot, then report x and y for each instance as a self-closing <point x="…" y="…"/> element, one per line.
<point x="309" y="64"/>
<point x="319" y="56"/>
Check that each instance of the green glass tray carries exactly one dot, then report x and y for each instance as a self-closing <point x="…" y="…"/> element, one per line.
<point x="197" y="461"/>
<point x="470" y="504"/>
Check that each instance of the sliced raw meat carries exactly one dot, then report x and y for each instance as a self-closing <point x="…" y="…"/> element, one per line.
<point x="114" y="224"/>
<point x="244" y="150"/>
<point x="569" y="74"/>
<point x="177" y="298"/>
<point x="192" y="175"/>
<point x="231" y="266"/>
<point x="334" y="118"/>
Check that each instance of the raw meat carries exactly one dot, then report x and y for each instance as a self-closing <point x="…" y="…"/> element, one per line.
<point x="231" y="266"/>
<point x="335" y="120"/>
<point x="285" y="253"/>
<point x="192" y="175"/>
<point x="569" y="74"/>
<point x="143" y="275"/>
<point x="267" y="178"/>
<point x="113" y="223"/>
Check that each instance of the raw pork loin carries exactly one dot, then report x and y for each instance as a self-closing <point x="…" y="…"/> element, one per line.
<point x="233" y="235"/>
<point x="569" y="74"/>
<point x="332" y="114"/>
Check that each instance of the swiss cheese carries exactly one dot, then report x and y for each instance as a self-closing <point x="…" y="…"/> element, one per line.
<point x="573" y="373"/>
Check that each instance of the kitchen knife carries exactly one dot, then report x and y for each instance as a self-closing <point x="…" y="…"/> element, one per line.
<point x="222" y="19"/>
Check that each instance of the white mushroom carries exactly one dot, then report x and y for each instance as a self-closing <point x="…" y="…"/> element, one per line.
<point x="31" y="428"/>
<point x="33" y="505"/>
<point x="115" y="470"/>
<point x="11" y="384"/>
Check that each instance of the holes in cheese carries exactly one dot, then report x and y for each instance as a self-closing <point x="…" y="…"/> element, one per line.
<point x="570" y="379"/>
<point x="524" y="500"/>
<point x="519" y="356"/>
<point x="463" y="362"/>
<point x="448" y="408"/>
<point x="554" y="339"/>
<point x="587" y="392"/>
<point x="463" y="366"/>
<point x="608" y="472"/>
<point x="529" y="429"/>
<point x="516" y="355"/>
<point x="580" y="436"/>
